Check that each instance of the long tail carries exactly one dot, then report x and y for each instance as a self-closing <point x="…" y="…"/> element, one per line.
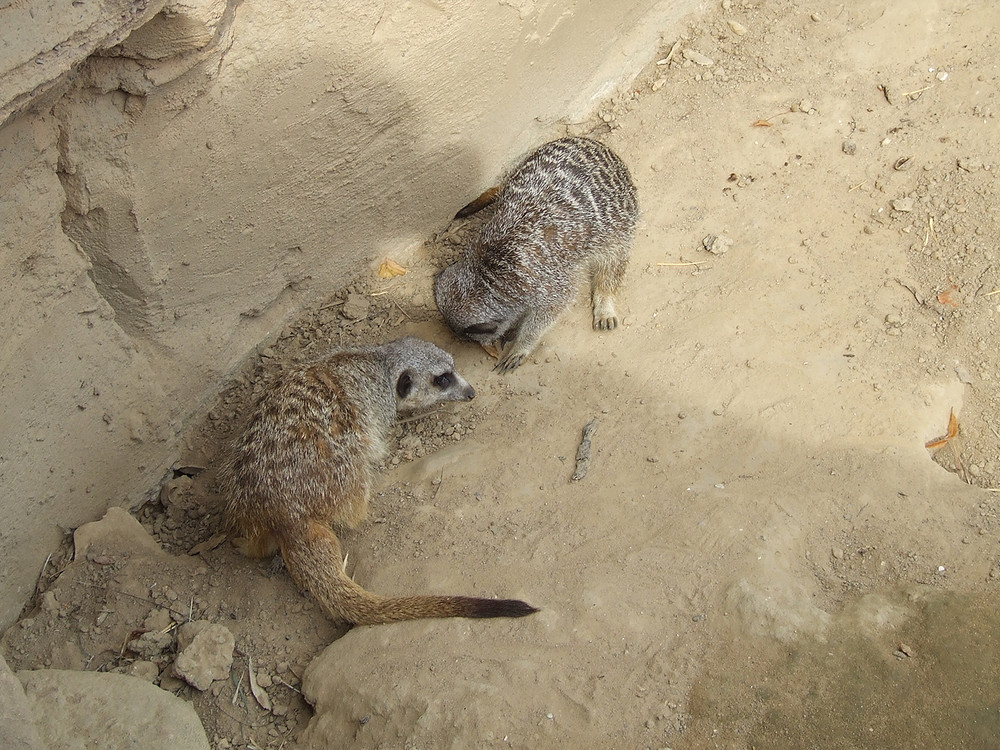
<point x="312" y="555"/>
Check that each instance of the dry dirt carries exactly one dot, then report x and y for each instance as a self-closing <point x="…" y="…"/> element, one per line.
<point x="763" y="553"/>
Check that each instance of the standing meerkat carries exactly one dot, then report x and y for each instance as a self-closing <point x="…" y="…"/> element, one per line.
<point x="568" y="210"/>
<point x="305" y="461"/>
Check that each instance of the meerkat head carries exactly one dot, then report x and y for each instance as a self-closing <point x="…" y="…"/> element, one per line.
<point x="424" y="376"/>
<point x="469" y="306"/>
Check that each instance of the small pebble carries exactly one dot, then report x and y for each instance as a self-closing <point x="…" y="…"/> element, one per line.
<point x="697" y="58"/>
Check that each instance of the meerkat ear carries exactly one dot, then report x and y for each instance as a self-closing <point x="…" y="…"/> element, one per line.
<point x="404" y="385"/>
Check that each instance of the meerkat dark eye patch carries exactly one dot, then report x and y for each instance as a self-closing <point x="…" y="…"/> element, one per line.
<point x="480" y="329"/>
<point x="404" y="385"/>
<point x="444" y="380"/>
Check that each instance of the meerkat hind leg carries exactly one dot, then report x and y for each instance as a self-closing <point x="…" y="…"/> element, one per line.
<point x="605" y="314"/>
<point x="606" y="277"/>
<point x="257" y="546"/>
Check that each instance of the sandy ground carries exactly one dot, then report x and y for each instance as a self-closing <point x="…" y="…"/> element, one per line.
<point x="763" y="553"/>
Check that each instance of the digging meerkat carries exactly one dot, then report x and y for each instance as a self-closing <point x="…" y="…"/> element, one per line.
<point x="567" y="211"/>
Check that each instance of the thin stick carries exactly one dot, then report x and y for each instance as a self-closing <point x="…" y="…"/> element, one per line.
<point x="919" y="91"/>
<point x="686" y="263"/>
<point x="858" y="186"/>
<point x="670" y="54"/>
<point x="988" y="294"/>
<point x="401" y="310"/>
<point x="133" y="596"/>
<point x="418" y="416"/>
<point x="236" y="692"/>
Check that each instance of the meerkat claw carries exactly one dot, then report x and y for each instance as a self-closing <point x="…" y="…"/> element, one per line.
<point x="509" y="362"/>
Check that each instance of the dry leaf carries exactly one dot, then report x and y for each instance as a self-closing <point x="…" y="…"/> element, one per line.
<point x="257" y="690"/>
<point x="945" y="297"/>
<point x="763" y="124"/>
<point x="390" y="269"/>
<point x="952" y="432"/>
<point x="492" y="349"/>
<point x="208" y="544"/>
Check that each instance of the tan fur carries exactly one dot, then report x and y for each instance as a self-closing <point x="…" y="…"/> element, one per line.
<point x="305" y="461"/>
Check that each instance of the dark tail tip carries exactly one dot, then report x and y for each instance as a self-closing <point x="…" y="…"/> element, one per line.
<point x="479" y="203"/>
<point x="499" y="608"/>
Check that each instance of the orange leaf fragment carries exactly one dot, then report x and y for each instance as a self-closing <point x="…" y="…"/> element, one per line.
<point x="952" y="432"/>
<point x="390" y="269"/>
<point x="492" y="349"/>
<point x="945" y="297"/>
<point x="763" y="124"/>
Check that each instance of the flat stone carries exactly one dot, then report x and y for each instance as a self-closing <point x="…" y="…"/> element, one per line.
<point x="117" y="532"/>
<point x="17" y="727"/>
<point x="206" y="653"/>
<point x="106" y="711"/>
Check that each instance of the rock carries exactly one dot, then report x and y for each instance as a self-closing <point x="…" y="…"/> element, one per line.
<point x="39" y="53"/>
<point x="716" y="244"/>
<point x="174" y="490"/>
<point x="67" y="655"/>
<point x="697" y="58"/>
<point x="181" y="27"/>
<point x="152" y="643"/>
<point x="410" y="443"/>
<point x="356" y="307"/>
<point x="105" y="710"/>
<point x="738" y="28"/>
<point x="17" y="727"/>
<point x="170" y="683"/>
<point x="118" y="532"/>
<point x="903" y="204"/>
<point x="849" y="147"/>
<point x="158" y="619"/>
<point x="144" y="670"/>
<point x="205" y="653"/>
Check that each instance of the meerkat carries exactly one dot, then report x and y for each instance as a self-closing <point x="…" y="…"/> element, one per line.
<point x="305" y="461"/>
<point x="568" y="210"/>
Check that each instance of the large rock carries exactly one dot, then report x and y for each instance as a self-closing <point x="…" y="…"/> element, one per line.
<point x="119" y="532"/>
<point x="99" y="710"/>
<point x="43" y="40"/>
<point x="17" y="725"/>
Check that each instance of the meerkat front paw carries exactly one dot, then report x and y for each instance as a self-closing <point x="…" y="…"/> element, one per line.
<point x="510" y="360"/>
<point x="605" y="315"/>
